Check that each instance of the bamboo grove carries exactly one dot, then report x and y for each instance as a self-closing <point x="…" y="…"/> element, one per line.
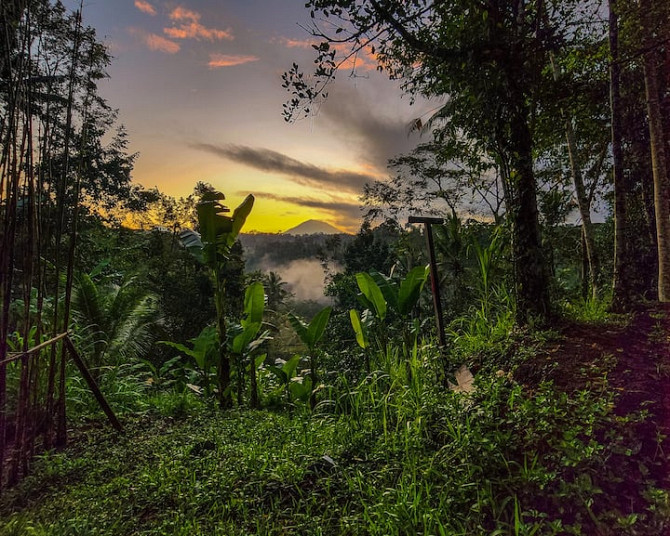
<point x="53" y="165"/>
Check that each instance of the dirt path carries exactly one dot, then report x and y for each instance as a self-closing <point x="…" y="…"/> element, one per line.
<point x="641" y="376"/>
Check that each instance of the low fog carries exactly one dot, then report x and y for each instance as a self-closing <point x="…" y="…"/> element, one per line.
<point x="305" y="278"/>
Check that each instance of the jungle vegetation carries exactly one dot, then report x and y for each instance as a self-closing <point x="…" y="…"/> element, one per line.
<point x="246" y="411"/>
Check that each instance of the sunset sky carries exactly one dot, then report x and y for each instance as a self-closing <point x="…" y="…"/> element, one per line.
<point x="198" y="87"/>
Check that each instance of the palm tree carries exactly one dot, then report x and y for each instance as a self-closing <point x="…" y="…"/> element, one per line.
<point x="115" y="321"/>
<point x="275" y="290"/>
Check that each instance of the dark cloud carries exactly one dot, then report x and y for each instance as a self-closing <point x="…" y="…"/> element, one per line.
<point x="378" y="132"/>
<point x="274" y="162"/>
<point x="340" y="207"/>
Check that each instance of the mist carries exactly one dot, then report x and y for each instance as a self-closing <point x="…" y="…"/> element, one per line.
<point x="305" y="278"/>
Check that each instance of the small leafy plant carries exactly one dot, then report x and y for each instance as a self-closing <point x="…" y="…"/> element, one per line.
<point x="310" y="334"/>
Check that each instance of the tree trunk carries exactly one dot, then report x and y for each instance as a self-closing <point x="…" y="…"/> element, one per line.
<point x="223" y="365"/>
<point x="531" y="280"/>
<point x="584" y="211"/>
<point x="11" y="12"/>
<point x="659" y="152"/>
<point x="253" y="400"/>
<point x="583" y="202"/>
<point x="621" y="284"/>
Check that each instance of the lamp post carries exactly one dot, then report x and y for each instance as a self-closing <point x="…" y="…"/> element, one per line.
<point x="434" y="280"/>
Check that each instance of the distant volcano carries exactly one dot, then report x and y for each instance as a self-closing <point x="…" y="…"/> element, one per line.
<point x="313" y="227"/>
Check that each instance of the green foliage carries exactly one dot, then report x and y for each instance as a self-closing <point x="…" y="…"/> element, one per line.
<point x="372" y="294"/>
<point x="218" y="234"/>
<point x="594" y="311"/>
<point x="383" y="456"/>
<point x="379" y="295"/>
<point x="361" y="325"/>
<point x="114" y="322"/>
<point x="245" y="339"/>
<point x="204" y="355"/>
<point x="254" y="305"/>
<point x="311" y="333"/>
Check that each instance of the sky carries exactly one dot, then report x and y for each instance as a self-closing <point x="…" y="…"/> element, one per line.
<point x="198" y="87"/>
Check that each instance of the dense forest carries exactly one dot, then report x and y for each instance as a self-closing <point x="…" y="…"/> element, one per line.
<point x="502" y="370"/>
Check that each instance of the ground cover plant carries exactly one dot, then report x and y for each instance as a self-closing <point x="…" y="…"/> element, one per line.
<point x="518" y="455"/>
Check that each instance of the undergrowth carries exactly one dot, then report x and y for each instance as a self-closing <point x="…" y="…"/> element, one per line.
<point x="393" y="453"/>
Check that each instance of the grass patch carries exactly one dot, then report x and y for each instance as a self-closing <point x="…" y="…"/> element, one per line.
<point x="381" y="457"/>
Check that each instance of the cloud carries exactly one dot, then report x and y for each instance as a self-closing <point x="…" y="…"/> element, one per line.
<point x="345" y="210"/>
<point x="298" y="43"/>
<point x="343" y="214"/>
<point x="375" y="132"/>
<point x="301" y="172"/>
<point x="156" y="42"/>
<point x="182" y="13"/>
<point x="145" y="7"/>
<point x="189" y="27"/>
<point x="217" y="61"/>
<point x="362" y="60"/>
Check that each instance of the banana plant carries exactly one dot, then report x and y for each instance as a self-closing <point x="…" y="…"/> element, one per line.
<point x="218" y="233"/>
<point x="247" y="338"/>
<point x="402" y="295"/>
<point x="380" y="293"/>
<point x="310" y="334"/>
<point x="286" y="374"/>
<point x="203" y="352"/>
<point x="362" y="325"/>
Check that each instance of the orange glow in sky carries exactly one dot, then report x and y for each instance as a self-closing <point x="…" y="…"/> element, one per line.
<point x="198" y="88"/>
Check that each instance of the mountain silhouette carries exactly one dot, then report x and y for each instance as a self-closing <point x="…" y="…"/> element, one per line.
<point x="312" y="227"/>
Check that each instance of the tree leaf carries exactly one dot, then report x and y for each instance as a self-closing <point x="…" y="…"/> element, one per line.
<point x="239" y="217"/>
<point x="300" y="328"/>
<point x="318" y="325"/>
<point x="241" y="341"/>
<point x="191" y="241"/>
<point x="254" y="303"/>
<point x="410" y="289"/>
<point x="388" y="287"/>
<point x="291" y="365"/>
<point x="359" y="330"/>
<point x="372" y="292"/>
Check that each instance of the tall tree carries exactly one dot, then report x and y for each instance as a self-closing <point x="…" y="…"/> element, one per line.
<point x="489" y="58"/>
<point x="621" y="285"/>
<point x="655" y="23"/>
<point x="52" y="121"/>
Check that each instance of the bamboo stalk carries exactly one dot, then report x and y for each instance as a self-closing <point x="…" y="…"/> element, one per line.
<point x="91" y="383"/>
<point x="19" y="355"/>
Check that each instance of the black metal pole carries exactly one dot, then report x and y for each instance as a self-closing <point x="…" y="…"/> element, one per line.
<point x="435" y="286"/>
<point x="434" y="279"/>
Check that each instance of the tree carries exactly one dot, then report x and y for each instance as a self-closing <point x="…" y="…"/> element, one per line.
<point x="52" y="123"/>
<point x="438" y="176"/>
<point x="488" y="60"/>
<point x="655" y="22"/>
<point x="115" y="320"/>
<point x="640" y="108"/>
